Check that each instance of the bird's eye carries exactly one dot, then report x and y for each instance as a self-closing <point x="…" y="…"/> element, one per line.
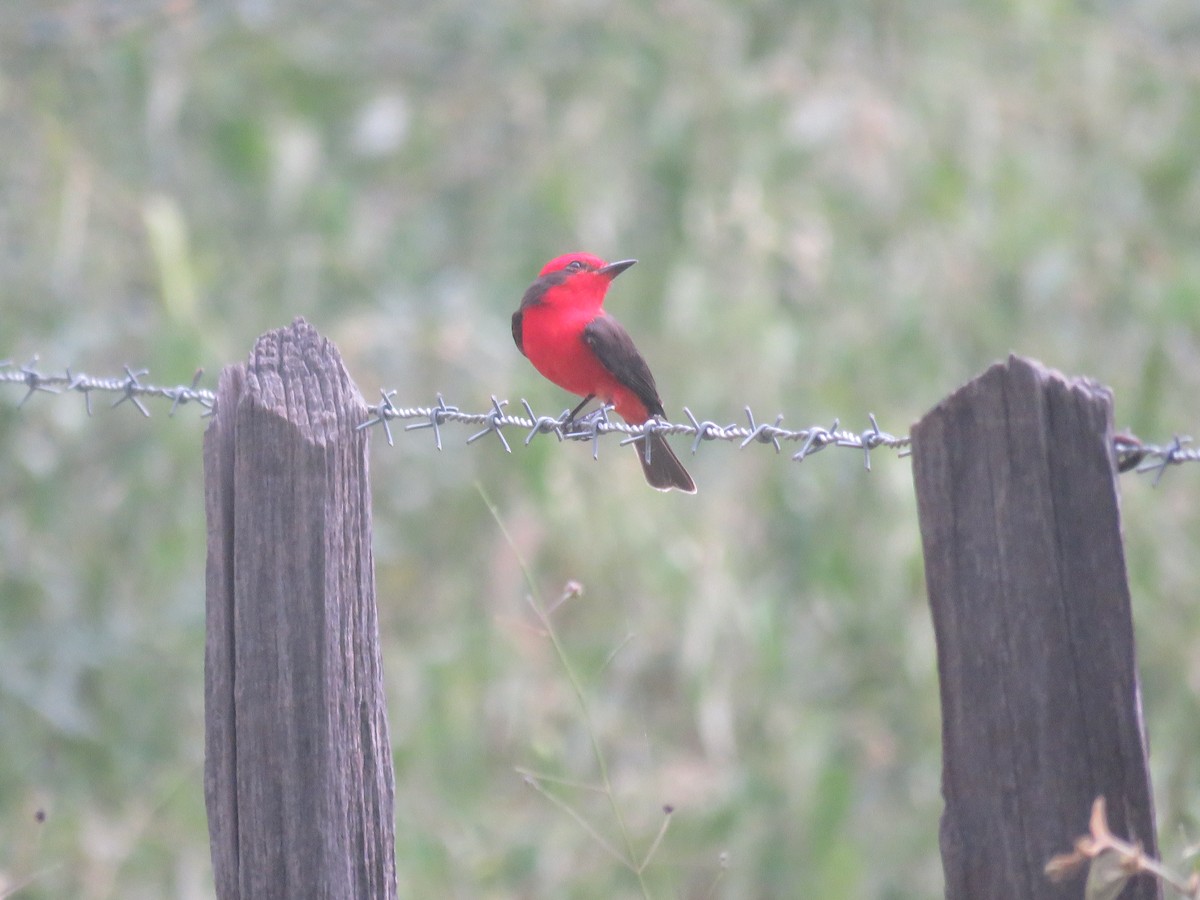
<point x="575" y="265"/>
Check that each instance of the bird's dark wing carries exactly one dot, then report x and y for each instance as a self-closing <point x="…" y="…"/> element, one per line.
<point x="516" y="327"/>
<point x="614" y="348"/>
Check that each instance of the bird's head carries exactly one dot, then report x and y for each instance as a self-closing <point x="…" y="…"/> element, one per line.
<point x="574" y="281"/>
<point x="573" y="263"/>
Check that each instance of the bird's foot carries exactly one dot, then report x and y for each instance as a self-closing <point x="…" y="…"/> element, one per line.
<point x="574" y="425"/>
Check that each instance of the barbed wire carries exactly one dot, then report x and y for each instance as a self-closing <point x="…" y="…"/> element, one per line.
<point x="596" y="424"/>
<point x="129" y="387"/>
<point x="1132" y="453"/>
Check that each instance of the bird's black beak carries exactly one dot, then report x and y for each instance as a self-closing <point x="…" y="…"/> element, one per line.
<point x="613" y="269"/>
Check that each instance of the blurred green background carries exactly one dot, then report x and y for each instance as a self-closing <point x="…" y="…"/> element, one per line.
<point x="839" y="208"/>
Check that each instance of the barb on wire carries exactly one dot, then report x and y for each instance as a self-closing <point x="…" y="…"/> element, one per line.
<point x="493" y="424"/>
<point x="1132" y="454"/>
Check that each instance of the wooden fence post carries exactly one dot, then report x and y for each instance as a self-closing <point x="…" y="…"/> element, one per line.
<point x="298" y="768"/>
<point x="1025" y="567"/>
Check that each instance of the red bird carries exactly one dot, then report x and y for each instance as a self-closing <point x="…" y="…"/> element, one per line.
<point x="564" y="331"/>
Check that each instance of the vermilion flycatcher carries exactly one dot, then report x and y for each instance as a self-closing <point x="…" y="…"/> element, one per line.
<point x="564" y="331"/>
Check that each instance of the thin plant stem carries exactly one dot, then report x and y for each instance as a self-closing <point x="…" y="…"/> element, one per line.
<point x="658" y="838"/>
<point x="13" y="889"/>
<point x="583" y="823"/>
<point x="543" y="777"/>
<point x="615" y="650"/>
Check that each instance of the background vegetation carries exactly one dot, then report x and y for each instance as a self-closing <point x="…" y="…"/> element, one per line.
<point x="838" y="207"/>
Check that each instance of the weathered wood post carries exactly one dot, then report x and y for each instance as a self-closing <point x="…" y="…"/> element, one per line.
<point x="1041" y="711"/>
<point x="298" y="769"/>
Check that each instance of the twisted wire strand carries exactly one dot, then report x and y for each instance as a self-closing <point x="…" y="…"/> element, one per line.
<point x="129" y="387"/>
<point x="1132" y="453"/>
<point x="594" y="425"/>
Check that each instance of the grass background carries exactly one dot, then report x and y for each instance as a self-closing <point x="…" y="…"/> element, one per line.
<point x="839" y="208"/>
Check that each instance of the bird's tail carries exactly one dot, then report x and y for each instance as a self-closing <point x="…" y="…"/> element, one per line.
<point x="663" y="469"/>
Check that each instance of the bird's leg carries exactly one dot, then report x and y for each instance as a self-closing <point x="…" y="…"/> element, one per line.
<point x="570" y="419"/>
